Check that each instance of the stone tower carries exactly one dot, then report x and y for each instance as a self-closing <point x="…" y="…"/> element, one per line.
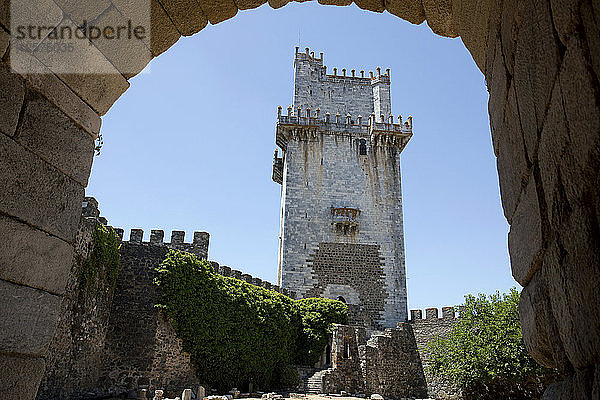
<point x="341" y="232"/>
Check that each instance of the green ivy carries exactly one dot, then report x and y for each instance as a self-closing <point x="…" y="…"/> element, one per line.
<point x="316" y="316"/>
<point x="101" y="267"/>
<point x="484" y="353"/>
<point x="237" y="333"/>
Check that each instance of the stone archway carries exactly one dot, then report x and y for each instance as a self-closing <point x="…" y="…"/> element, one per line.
<point x="541" y="60"/>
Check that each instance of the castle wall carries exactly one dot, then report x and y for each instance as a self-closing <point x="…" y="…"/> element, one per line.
<point x="392" y="366"/>
<point x="76" y="351"/>
<point x="327" y="171"/>
<point x="387" y="363"/>
<point x="425" y="331"/>
<point x="141" y="348"/>
<point x="392" y="363"/>
<point x="114" y="340"/>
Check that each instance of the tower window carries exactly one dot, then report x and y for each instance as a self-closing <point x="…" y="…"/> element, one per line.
<point x="362" y="147"/>
<point x="346" y="348"/>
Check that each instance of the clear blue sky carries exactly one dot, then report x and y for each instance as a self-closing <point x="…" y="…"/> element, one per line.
<point x="190" y="145"/>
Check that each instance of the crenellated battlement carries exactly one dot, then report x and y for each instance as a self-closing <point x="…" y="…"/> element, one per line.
<point x="342" y="90"/>
<point x="157" y="237"/>
<point x="381" y="130"/>
<point x="431" y="314"/>
<point x="199" y="247"/>
<point x="339" y="75"/>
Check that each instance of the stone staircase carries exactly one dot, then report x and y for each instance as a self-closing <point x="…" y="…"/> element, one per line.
<point x="314" y="383"/>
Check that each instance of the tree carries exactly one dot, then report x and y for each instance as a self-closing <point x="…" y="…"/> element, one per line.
<point x="484" y="354"/>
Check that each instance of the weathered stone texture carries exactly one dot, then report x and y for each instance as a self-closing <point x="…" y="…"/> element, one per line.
<point x="48" y="132"/>
<point x="565" y="16"/>
<point x="31" y="317"/>
<point x="439" y="17"/>
<point x="338" y="94"/>
<point x="36" y="192"/>
<point x="537" y="60"/>
<point x="139" y="349"/>
<point x="497" y="83"/>
<point x="76" y="352"/>
<point x="525" y="241"/>
<point x="38" y="13"/>
<point x="19" y="376"/>
<point x="471" y="21"/>
<point x="12" y="95"/>
<point x="330" y="2"/>
<point x="543" y="128"/>
<point x="110" y="344"/>
<point x="590" y="16"/>
<point x="87" y="72"/>
<point x="4" y="42"/>
<point x="513" y="168"/>
<point x="130" y="56"/>
<point x="79" y="11"/>
<point x="353" y="272"/>
<point x="248" y="4"/>
<point x="31" y="257"/>
<point x="386" y="363"/>
<point x="425" y="331"/>
<point x="50" y="86"/>
<point x="392" y="364"/>
<point x="280" y="3"/>
<point x="164" y="33"/>
<point x="534" y="306"/>
<point x="410" y="10"/>
<point x="187" y="15"/>
<point x="569" y="156"/>
<point x="371" y="5"/>
<point x="218" y="10"/>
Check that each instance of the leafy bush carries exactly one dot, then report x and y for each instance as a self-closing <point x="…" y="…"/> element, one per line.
<point x="484" y="354"/>
<point x="316" y="316"/>
<point x="239" y="333"/>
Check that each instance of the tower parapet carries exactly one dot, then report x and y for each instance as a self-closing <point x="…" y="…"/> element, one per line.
<point x="339" y="93"/>
<point x="382" y="131"/>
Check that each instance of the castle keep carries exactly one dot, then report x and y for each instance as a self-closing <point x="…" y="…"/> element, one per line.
<point x="341" y="233"/>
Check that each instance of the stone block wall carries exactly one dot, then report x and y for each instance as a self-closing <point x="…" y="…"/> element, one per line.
<point x="115" y="340"/>
<point x="387" y="363"/>
<point x="346" y="372"/>
<point x="426" y="330"/>
<point x="352" y="273"/>
<point x="343" y="92"/>
<point x="324" y="170"/>
<point x="141" y="348"/>
<point x="341" y="233"/>
<point x="392" y="365"/>
<point x="76" y="352"/>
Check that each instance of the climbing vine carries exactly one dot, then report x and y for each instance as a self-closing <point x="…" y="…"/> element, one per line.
<point x="237" y="333"/>
<point x="102" y="264"/>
